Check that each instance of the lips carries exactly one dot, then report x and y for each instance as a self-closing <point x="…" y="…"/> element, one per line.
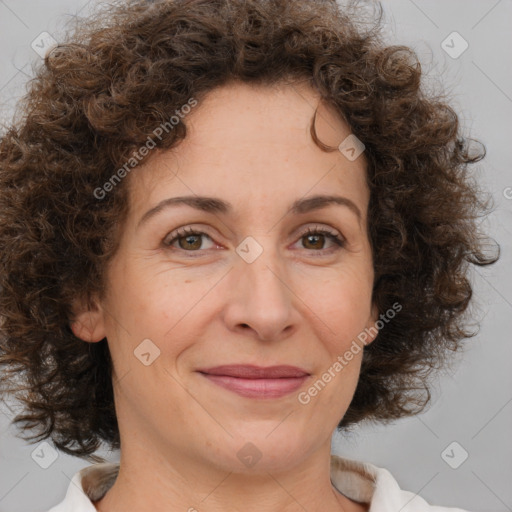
<point x="256" y="372"/>
<point x="252" y="381"/>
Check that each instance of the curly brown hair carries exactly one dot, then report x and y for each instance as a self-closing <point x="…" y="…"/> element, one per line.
<point x="125" y="71"/>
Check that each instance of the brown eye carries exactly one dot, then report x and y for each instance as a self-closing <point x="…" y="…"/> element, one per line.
<point x="188" y="239"/>
<point x="315" y="239"/>
<point x="190" y="242"/>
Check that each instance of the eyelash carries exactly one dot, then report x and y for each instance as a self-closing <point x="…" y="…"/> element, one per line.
<point x="336" y="239"/>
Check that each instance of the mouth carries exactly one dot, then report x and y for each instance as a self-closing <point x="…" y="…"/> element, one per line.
<point x="257" y="382"/>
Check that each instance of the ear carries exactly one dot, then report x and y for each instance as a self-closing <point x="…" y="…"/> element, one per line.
<point x="88" y="322"/>
<point x="372" y="331"/>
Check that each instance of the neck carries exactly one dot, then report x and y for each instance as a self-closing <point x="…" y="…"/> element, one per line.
<point x="178" y="483"/>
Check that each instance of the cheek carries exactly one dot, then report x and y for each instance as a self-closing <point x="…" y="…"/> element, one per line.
<point x="152" y="301"/>
<point x="170" y="314"/>
<point x="341" y="304"/>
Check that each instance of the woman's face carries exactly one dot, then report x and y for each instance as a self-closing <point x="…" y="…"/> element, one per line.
<point x="252" y="289"/>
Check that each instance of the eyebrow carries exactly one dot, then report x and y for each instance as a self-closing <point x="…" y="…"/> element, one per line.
<point x="215" y="205"/>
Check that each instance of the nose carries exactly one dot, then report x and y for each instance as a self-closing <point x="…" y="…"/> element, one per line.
<point x="260" y="298"/>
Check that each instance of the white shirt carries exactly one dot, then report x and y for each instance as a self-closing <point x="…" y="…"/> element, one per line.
<point x="359" y="481"/>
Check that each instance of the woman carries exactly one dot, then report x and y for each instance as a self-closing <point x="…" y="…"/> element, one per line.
<point x="230" y="228"/>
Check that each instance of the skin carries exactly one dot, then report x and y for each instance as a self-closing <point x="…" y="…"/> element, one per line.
<point x="301" y="302"/>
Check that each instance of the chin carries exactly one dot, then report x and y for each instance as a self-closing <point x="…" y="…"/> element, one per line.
<point x="263" y="452"/>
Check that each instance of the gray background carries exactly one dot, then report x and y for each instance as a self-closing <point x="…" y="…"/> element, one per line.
<point x="473" y="402"/>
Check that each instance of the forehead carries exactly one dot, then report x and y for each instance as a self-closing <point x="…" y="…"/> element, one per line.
<point x="253" y="143"/>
